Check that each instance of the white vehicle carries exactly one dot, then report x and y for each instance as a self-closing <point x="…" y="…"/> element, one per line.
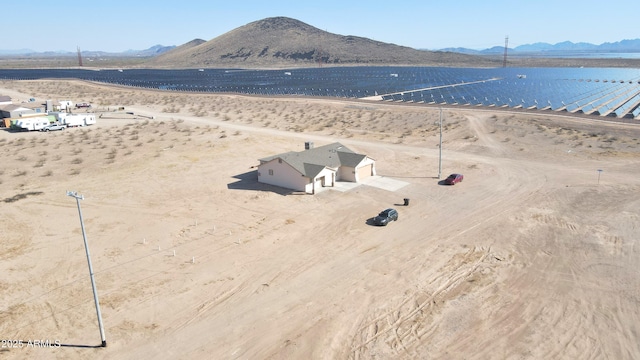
<point x="54" y="127"/>
<point x="89" y="119"/>
<point x="73" y="120"/>
<point x="33" y="123"/>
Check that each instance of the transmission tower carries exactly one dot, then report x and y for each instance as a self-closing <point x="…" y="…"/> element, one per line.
<point x="79" y="57"/>
<point x="506" y="46"/>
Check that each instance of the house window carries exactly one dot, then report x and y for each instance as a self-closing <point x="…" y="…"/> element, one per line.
<point x="270" y="171"/>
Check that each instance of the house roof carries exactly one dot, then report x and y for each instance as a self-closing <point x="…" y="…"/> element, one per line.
<point x="14" y="107"/>
<point x="5" y="98"/>
<point x="312" y="161"/>
<point x="32" y="105"/>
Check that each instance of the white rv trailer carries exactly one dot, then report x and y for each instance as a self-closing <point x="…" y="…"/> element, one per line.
<point x="73" y="120"/>
<point x="34" y="123"/>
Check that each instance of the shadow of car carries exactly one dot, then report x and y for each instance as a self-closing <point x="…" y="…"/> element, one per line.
<point x="385" y="217"/>
<point x="453" y="179"/>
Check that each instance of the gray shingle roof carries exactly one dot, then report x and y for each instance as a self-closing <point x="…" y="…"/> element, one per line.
<point x="310" y="162"/>
<point x="13" y="107"/>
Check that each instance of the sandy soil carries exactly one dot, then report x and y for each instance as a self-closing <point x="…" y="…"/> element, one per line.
<point x="535" y="255"/>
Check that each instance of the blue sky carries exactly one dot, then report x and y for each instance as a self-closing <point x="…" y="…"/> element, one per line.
<point x="118" y="25"/>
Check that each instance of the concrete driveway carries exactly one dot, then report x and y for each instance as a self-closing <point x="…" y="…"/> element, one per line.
<point x="381" y="182"/>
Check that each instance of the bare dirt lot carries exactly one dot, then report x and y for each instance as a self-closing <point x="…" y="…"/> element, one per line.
<point x="535" y="255"/>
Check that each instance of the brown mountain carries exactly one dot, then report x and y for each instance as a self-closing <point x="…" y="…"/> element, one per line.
<point x="286" y="42"/>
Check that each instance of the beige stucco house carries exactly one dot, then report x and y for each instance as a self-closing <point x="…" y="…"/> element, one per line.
<point x="315" y="167"/>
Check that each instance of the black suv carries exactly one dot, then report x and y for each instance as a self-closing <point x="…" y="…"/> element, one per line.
<point x="385" y="217"/>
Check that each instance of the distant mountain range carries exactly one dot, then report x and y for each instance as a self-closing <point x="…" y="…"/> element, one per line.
<point x="541" y="48"/>
<point x="150" y="52"/>
<point x="624" y="46"/>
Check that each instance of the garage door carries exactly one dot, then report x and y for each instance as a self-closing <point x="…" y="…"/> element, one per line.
<point x="364" y="172"/>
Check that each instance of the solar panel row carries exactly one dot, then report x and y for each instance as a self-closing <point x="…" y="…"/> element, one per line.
<point x="597" y="91"/>
<point x="587" y="98"/>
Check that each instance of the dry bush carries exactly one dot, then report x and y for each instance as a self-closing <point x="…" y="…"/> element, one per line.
<point x="171" y="110"/>
<point x="112" y="154"/>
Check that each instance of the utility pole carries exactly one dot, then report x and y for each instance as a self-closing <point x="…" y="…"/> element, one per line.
<point x="93" y="281"/>
<point x="440" y="147"/>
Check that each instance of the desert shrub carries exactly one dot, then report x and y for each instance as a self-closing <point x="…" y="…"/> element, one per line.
<point x="112" y="154"/>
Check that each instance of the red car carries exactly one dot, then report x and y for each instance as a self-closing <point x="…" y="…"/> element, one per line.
<point x="453" y="179"/>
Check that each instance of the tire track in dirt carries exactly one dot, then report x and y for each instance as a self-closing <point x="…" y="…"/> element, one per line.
<point x="574" y="305"/>
<point x="403" y="326"/>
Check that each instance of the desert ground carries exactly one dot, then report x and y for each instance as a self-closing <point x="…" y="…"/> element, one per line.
<point x="535" y="255"/>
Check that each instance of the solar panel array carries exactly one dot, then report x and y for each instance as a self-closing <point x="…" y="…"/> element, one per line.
<point x="593" y="91"/>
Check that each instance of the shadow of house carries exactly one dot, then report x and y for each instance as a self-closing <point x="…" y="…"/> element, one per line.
<point x="249" y="181"/>
<point x="313" y="168"/>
